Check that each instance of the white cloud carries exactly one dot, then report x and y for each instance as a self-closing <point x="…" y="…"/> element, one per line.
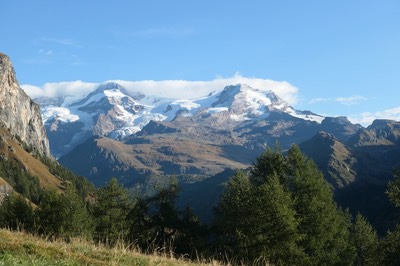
<point x="194" y="89"/>
<point x="72" y="88"/>
<point x="181" y="89"/>
<point x="367" y="118"/>
<point x="350" y="100"/>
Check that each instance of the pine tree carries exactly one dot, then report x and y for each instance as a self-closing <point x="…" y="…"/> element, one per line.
<point x="50" y="214"/>
<point x="63" y="214"/>
<point x="390" y="246"/>
<point x="191" y="237"/>
<point x="165" y="215"/>
<point x="290" y="214"/>
<point x="233" y="214"/>
<point x="113" y="204"/>
<point x="77" y="221"/>
<point x="156" y="222"/>
<point x="366" y="242"/>
<point x="276" y="225"/>
<point x="141" y="229"/>
<point x="257" y="223"/>
<point x="16" y="213"/>
<point x="393" y="190"/>
<point x="325" y="229"/>
<point x="270" y="163"/>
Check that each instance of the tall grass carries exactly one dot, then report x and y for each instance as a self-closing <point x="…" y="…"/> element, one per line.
<point x="20" y="248"/>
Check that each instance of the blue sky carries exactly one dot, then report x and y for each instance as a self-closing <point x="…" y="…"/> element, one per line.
<point x="342" y="56"/>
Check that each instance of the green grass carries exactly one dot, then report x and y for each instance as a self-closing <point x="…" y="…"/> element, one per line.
<point x="17" y="248"/>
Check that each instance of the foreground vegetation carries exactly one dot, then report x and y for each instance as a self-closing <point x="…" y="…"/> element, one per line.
<point x="17" y="248"/>
<point x="282" y="212"/>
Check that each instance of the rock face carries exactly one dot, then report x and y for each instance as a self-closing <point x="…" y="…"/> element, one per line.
<point x="18" y="112"/>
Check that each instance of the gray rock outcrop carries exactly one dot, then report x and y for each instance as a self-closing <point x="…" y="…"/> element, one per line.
<point x="18" y="112"/>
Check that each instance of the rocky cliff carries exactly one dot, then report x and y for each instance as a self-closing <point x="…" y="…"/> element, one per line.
<point x="18" y="112"/>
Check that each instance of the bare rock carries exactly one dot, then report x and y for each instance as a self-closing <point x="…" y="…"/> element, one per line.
<point x="18" y="112"/>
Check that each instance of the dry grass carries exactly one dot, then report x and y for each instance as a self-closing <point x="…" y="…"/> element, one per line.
<point x="18" y="248"/>
<point x="10" y="148"/>
<point x="35" y="167"/>
<point x="165" y="149"/>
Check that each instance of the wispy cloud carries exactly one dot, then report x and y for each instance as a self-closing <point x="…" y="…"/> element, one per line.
<point x="367" y="118"/>
<point x="351" y="100"/>
<point x="342" y="100"/>
<point x="182" y="89"/>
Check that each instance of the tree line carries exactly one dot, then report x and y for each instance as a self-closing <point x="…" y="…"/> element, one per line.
<point x="282" y="212"/>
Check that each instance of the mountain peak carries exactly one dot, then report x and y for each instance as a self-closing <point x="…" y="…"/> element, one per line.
<point x="242" y="96"/>
<point x="383" y="123"/>
<point x="7" y="72"/>
<point x="111" y="85"/>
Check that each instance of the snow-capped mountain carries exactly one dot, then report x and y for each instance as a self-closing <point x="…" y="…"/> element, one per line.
<point x="111" y="111"/>
<point x="240" y="102"/>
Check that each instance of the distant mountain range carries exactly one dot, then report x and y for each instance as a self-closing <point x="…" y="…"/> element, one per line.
<point x="111" y="112"/>
<point x="140" y="138"/>
<point x="193" y="139"/>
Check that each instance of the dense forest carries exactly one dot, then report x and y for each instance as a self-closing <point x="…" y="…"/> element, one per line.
<point x="281" y="212"/>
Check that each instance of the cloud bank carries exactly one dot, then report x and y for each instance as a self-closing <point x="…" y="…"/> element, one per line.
<point x="184" y="89"/>
<point x="367" y="118"/>
<point x="179" y="89"/>
<point x="59" y="89"/>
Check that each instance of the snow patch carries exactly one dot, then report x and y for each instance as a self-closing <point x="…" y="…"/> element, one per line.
<point x="60" y="113"/>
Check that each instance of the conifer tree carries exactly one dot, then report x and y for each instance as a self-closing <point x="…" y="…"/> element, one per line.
<point x="191" y="237"/>
<point x="77" y="220"/>
<point x="141" y="230"/>
<point x="285" y="214"/>
<point x="156" y="222"/>
<point x="390" y="246"/>
<point x="366" y="242"/>
<point x="257" y="222"/>
<point x="49" y="214"/>
<point x="233" y="214"/>
<point x="270" y="163"/>
<point x="325" y="229"/>
<point x="393" y="190"/>
<point x="113" y="204"/>
<point x="63" y="214"/>
<point x="16" y="213"/>
<point x="165" y="215"/>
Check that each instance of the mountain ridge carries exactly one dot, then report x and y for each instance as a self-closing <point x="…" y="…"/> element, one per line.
<point x="234" y="125"/>
<point x="110" y="111"/>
